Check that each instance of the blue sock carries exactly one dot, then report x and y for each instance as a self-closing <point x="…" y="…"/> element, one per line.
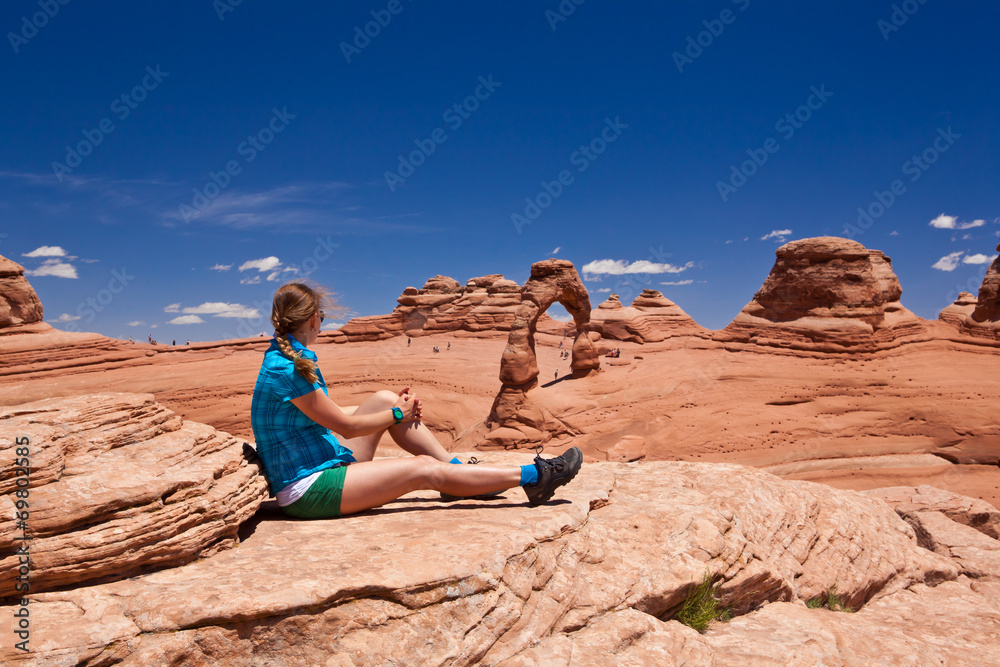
<point x="529" y="474"/>
<point x="455" y="460"/>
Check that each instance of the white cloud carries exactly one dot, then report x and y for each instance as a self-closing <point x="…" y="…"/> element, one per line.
<point x="137" y="323"/>
<point x="173" y="308"/>
<point x="618" y="267"/>
<point x="678" y="282"/>
<point x="45" y="251"/>
<point x="66" y="317"/>
<point x="978" y="259"/>
<point x="220" y="309"/>
<point x="603" y="289"/>
<point x="894" y="233"/>
<point x="262" y="264"/>
<point x="951" y="222"/>
<point x="779" y="234"/>
<point x="187" y="319"/>
<point x="250" y="281"/>
<point x="54" y="267"/>
<point x="948" y="262"/>
<point x="558" y="248"/>
<point x="220" y="267"/>
<point x="560" y="317"/>
<point x="329" y="326"/>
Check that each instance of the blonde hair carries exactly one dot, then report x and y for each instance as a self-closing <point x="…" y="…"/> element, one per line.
<point x="294" y="303"/>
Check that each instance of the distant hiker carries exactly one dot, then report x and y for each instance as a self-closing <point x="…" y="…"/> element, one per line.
<point x="557" y="374"/>
<point x="173" y="342"/>
<point x="150" y="339"/>
<point x="130" y="340"/>
<point x="189" y="341"/>
<point x="408" y="341"/>
<point x="560" y="345"/>
<point x="315" y="476"/>
<point x="449" y="345"/>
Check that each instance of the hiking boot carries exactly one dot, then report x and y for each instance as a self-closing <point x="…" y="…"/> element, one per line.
<point x="483" y="496"/>
<point x="552" y="473"/>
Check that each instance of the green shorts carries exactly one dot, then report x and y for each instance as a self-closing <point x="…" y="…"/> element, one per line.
<point x="322" y="500"/>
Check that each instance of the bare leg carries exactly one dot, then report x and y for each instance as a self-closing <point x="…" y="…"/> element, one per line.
<point x="373" y="483"/>
<point x="413" y="437"/>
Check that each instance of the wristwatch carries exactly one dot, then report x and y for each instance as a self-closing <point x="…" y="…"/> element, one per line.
<point x="397" y="414"/>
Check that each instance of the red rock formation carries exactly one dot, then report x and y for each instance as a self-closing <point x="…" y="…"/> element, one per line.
<point x="984" y="321"/>
<point x="118" y="485"/>
<point x="827" y="294"/>
<point x="551" y="281"/>
<point x="594" y="579"/>
<point x="486" y="304"/>
<point x="650" y="319"/>
<point x="18" y="302"/>
<point x="958" y="311"/>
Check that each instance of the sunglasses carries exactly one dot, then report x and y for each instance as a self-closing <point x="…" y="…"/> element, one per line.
<point x="322" y="316"/>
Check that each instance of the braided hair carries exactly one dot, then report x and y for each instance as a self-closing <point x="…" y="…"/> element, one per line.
<point x="293" y="305"/>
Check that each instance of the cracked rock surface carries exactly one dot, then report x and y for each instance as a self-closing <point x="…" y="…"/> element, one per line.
<point x="592" y="578"/>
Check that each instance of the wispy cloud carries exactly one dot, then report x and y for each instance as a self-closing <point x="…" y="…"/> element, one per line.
<point x="220" y="267"/>
<point x="187" y="319"/>
<point x="66" y="317"/>
<point x="53" y="267"/>
<point x="949" y="262"/>
<point x="262" y="264"/>
<point x="297" y="204"/>
<point x="618" y="267"/>
<point x="678" y="282"/>
<point x="978" y="258"/>
<point x="137" y="323"/>
<point x="944" y="221"/>
<point x="779" y="234"/>
<point x="221" y="309"/>
<point x="173" y="308"/>
<point x="45" y="251"/>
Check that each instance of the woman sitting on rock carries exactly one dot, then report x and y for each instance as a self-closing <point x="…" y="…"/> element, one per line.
<point x="315" y="476"/>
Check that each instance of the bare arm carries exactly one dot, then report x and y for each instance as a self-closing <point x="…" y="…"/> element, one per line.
<point x="321" y="409"/>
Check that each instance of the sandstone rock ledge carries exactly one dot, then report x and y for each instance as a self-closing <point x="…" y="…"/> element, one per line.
<point x="591" y="579"/>
<point x="119" y="485"/>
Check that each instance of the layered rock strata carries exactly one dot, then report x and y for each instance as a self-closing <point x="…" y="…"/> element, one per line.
<point x="827" y="294"/>
<point x="116" y="485"/>
<point x="650" y="319"/>
<point x="551" y="281"/>
<point x="594" y="578"/>
<point x="19" y="304"/>
<point x="484" y="304"/>
<point x="984" y="321"/>
<point x="960" y="310"/>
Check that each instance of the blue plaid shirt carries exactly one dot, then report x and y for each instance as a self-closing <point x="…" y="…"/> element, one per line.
<point x="290" y="444"/>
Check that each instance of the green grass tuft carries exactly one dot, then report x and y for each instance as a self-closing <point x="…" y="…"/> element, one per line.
<point x="829" y="600"/>
<point x="702" y="606"/>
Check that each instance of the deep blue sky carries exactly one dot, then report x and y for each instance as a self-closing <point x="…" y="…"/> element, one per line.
<point x="652" y="195"/>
